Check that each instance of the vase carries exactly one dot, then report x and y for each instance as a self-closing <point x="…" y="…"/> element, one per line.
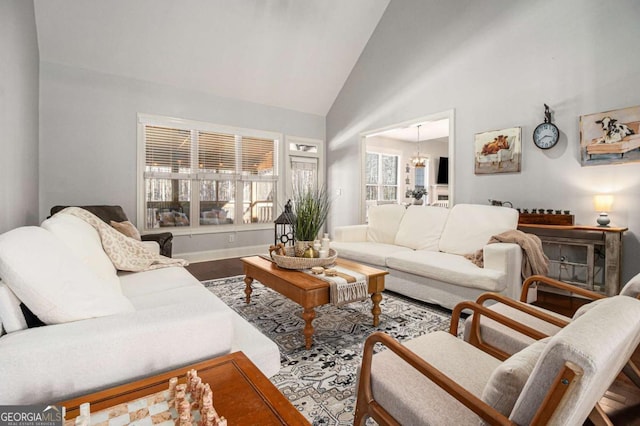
<point x="301" y="247"/>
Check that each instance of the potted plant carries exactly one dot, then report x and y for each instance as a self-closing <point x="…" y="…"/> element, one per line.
<point x="311" y="207"/>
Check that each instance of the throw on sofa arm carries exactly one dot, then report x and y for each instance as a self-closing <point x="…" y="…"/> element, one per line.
<point x="117" y="214"/>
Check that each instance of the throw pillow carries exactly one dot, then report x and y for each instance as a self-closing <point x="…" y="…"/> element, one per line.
<point x="52" y="281"/>
<point x="508" y="380"/>
<point x="127" y="228"/>
<point x="10" y="314"/>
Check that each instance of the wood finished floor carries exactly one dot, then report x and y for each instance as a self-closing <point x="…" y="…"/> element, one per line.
<point x="621" y="402"/>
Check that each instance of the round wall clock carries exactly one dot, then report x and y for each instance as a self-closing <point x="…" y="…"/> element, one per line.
<point x="546" y="134"/>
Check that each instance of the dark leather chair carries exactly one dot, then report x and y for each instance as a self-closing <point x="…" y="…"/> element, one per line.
<point x="115" y="213"/>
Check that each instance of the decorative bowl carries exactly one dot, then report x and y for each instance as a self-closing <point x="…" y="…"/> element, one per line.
<point x="292" y="262"/>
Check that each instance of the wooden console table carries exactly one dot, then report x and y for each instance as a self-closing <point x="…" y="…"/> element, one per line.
<point x="587" y="256"/>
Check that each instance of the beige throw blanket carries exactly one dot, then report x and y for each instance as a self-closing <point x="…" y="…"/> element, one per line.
<point x="534" y="261"/>
<point x="125" y="253"/>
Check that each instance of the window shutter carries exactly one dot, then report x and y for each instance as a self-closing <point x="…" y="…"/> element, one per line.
<point x="168" y="151"/>
<point x="257" y="156"/>
<point x="216" y="152"/>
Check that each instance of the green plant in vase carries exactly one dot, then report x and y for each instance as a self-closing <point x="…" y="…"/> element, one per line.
<point x="311" y="208"/>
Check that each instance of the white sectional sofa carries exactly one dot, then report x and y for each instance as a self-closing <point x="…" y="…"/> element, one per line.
<point x="423" y="248"/>
<point x="103" y="327"/>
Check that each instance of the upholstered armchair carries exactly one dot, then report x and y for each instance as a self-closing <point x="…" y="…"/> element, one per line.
<point x="439" y="379"/>
<point x="501" y="341"/>
<point x="117" y="214"/>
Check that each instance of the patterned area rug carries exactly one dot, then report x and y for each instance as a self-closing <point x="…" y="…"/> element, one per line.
<point x="321" y="382"/>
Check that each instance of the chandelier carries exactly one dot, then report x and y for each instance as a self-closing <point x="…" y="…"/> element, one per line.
<point x="418" y="160"/>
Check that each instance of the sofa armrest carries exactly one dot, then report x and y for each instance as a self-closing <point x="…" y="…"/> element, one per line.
<point x="164" y="240"/>
<point x="56" y="362"/>
<point x="506" y="257"/>
<point x="351" y="233"/>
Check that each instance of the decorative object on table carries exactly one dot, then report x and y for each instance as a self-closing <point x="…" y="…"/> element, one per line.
<point x="284" y="226"/>
<point x="311" y="208"/>
<point x="500" y="203"/>
<point x="498" y="151"/>
<point x="602" y="204"/>
<point x="548" y="218"/>
<point x="546" y="134"/>
<point x="417" y="195"/>
<point x="610" y="137"/>
<point x="291" y="261"/>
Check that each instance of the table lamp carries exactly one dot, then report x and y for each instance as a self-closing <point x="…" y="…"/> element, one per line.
<point x="603" y="204"/>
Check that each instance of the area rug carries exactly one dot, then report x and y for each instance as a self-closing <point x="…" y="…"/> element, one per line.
<point x="321" y="382"/>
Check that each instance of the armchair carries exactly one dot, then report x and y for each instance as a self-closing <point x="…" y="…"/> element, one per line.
<point x="117" y="214"/>
<point x="440" y="379"/>
<point x="500" y="341"/>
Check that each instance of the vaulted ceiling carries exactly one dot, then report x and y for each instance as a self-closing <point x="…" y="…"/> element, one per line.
<point x="294" y="54"/>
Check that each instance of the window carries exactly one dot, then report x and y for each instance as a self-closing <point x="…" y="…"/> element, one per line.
<point x="305" y="163"/>
<point x="381" y="176"/>
<point x="197" y="175"/>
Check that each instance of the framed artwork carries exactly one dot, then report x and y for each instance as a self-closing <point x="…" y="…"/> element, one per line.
<point x="610" y="137"/>
<point x="498" y="151"/>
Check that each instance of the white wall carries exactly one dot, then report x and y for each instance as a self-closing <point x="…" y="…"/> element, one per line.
<point x="88" y="142"/>
<point x="496" y="62"/>
<point x="18" y="115"/>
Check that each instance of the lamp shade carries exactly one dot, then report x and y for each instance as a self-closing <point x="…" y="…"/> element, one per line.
<point x="603" y="203"/>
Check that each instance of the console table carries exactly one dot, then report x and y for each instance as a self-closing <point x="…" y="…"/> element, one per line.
<point x="587" y="256"/>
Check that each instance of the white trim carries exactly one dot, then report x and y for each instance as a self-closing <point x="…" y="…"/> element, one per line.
<point x="205" y="256"/>
<point x="185" y="124"/>
<point x="449" y="114"/>
<point x="210" y="229"/>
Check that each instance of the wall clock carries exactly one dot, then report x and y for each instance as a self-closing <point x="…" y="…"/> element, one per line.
<point x="546" y="134"/>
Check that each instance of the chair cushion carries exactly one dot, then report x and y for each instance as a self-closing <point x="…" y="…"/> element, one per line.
<point x="126" y="228"/>
<point x="508" y="380"/>
<point x="470" y="226"/>
<point x="52" y="281"/>
<point x="421" y="227"/>
<point x="384" y="221"/>
<point x="84" y="241"/>
<point x="632" y="288"/>
<point x="503" y="337"/>
<point x="412" y="398"/>
<point x="11" y="315"/>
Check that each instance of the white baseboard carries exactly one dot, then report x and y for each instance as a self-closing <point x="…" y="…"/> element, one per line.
<point x="204" y="256"/>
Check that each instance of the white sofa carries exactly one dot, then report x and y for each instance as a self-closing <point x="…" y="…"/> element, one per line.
<point x="423" y="248"/>
<point x="103" y="328"/>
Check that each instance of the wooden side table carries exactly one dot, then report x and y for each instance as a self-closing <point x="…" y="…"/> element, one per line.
<point x="593" y="253"/>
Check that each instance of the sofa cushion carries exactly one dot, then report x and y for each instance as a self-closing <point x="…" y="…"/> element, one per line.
<point x="11" y="315"/>
<point x="421" y="227"/>
<point x="470" y="226"/>
<point x="52" y="281"/>
<point x="506" y="382"/>
<point x="136" y="284"/>
<point x="449" y="268"/>
<point x="371" y="253"/>
<point x="84" y="241"/>
<point x="384" y="221"/>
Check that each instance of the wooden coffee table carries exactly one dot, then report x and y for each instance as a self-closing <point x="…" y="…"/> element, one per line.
<point x="307" y="290"/>
<point x="241" y="393"/>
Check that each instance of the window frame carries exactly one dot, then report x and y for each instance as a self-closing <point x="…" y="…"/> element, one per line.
<point x="380" y="185"/>
<point x="195" y="227"/>
<point x="289" y="153"/>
